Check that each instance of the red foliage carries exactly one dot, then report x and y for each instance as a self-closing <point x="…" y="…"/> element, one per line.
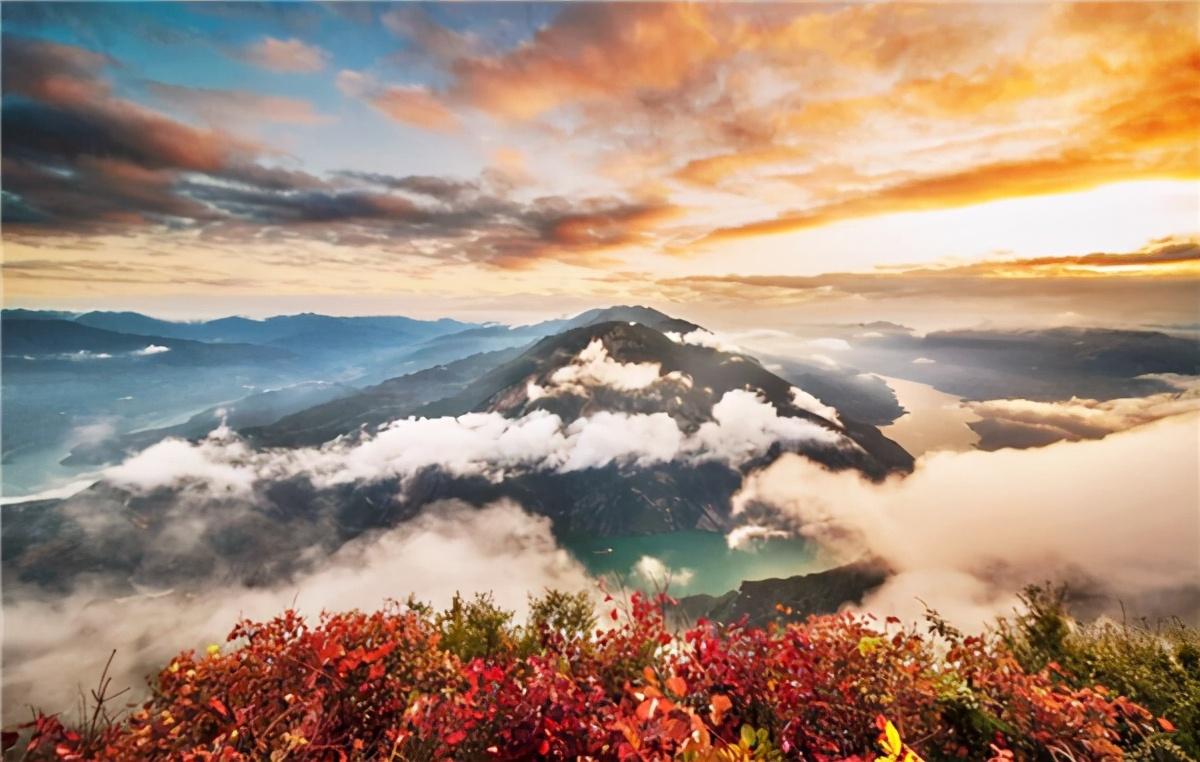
<point x="380" y="686"/>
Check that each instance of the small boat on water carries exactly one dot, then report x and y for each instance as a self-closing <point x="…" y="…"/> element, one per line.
<point x="602" y="552"/>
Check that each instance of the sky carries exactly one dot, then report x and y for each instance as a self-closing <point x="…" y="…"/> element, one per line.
<point x="932" y="164"/>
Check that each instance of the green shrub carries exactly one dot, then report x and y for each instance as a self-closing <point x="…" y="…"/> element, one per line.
<point x="1156" y="666"/>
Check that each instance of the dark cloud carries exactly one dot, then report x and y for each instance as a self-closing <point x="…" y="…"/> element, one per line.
<point x="47" y="70"/>
<point x="49" y="133"/>
<point x="439" y="188"/>
<point x="77" y="159"/>
<point x="274" y="205"/>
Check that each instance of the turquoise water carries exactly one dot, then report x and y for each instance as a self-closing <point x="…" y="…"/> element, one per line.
<point x="714" y="568"/>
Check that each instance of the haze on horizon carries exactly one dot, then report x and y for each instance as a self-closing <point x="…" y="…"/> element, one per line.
<point x="936" y="165"/>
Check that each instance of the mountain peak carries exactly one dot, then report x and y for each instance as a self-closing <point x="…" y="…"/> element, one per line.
<point x="647" y="316"/>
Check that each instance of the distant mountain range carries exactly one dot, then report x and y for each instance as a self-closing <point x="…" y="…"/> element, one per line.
<point x="483" y="339"/>
<point x="282" y="329"/>
<point x="97" y="388"/>
<point x="1038" y="364"/>
<point x="69" y="377"/>
<point x="41" y="340"/>
<point x="276" y="533"/>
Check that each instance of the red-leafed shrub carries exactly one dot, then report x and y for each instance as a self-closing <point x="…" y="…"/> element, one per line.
<point x="405" y="683"/>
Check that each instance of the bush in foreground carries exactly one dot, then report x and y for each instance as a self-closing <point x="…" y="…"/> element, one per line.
<point x="408" y="683"/>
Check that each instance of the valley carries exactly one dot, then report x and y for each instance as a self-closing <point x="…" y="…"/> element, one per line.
<point x="630" y="448"/>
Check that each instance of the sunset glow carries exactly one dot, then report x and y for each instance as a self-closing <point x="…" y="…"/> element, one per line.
<point x="423" y="155"/>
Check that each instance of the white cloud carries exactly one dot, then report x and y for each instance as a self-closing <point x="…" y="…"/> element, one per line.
<point x="476" y="443"/>
<point x="220" y="463"/>
<point x="744" y="427"/>
<point x="84" y="355"/>
<point x="1179" y="381"/>
<point x="92" y="433"/>
<point x="806" y="401"/>
<point x="1087" y="418"/>
<point x="746" y="535"/>
<point x="354" y="84"/>
<point x="1118" y="513"/>
<point x="594" y="367"/>
<point x="924" y="361"/>
<point x="702" y="338"/>
<point x="152" y="349"/>
<point x="534" y="391"/>
<point x="605" y="437"/>
<point x="834" y="345"/>
<point x="655" y="573"/>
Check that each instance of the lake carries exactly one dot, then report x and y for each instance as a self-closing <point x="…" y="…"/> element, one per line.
<point x="934" y="421"/>
<point x="714" y="567"/>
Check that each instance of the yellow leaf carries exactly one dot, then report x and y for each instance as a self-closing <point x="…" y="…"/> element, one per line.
<point x="891" y="742"/>
<point x="867" y="645"/>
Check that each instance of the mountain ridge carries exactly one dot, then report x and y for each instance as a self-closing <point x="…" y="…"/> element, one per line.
<point x="605" y="372"/>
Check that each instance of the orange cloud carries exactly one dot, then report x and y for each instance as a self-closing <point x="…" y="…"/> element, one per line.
<point x="1074" y="171"/>
<point x="1148" y="129"/>
<point x="711" y="171"/>
<point x="582" y="234"/>
<point x="415" y="106"/>
<point x="590" y="51"/>
<point x="237" y="106"/>
<point x="1166" y="259"/>
<point x="714" y="92"/>
<point x="1174" y="262"/>
<point x="291" y="55"/>
<point x="410" y="104"/>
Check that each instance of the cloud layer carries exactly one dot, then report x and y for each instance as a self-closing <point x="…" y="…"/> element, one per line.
<point x="1029" y="423"/>
<point x="1115" y="517"/>
<point x="53" y="647"/>
<point x="744" y="427"/>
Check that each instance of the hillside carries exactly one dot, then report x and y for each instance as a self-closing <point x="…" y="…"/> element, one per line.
<point x="629" y="432"/>
<point x="467" y="683"/>
<point x="471" y="341"/>
<point x="375" y="405"/>
<point x="796" y="598"/>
